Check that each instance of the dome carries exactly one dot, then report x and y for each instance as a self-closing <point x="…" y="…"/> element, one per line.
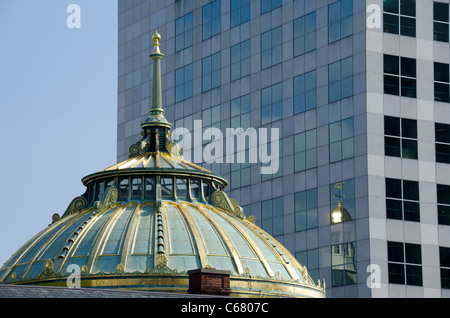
<point x="143" y="223"/>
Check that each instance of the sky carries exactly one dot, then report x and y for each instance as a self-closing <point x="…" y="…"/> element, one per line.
<point x="58" y="109"/>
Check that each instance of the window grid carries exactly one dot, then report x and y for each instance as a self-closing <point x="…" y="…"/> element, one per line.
<point x="441" y="82"/>
<point x="211" y="19"/>
<point x="271" y="103"/>
<point x="400" y="137"/>
<point x="240" y="12"/>
<point x="240" y="60"/>
<point x="340" y="20"/>
<point x="341" y="140"/>
<point x="402" y="200"/>
<point x="306" y="210"/>
<point x="211" y="72"/>
<point x="442" y="133"/>
<point x="240" y="112"/>
<point x="305" y="150"/>
<point x="343" y="264"/>
<point x="404" y="263"/>
<point x="271" y="47"/>
<point x="183" y="32"/>
<point x="400" y="76"/>
<point x="441" y="21"/>
<point x="340" y="79"/>
<point x="305" y="34"/>
<point x="310" y="259"/>
<point x="444" y="261"/>
<point x="272" y="216"/>
<point x="183" y="83"/>
<point x="399" y="17"/>
<point x="269" y="5"/>
<point x="305" y="92"/>
<point x="443" y="204"/>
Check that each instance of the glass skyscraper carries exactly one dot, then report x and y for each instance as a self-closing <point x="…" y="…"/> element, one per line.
<point x="359" y="93"/>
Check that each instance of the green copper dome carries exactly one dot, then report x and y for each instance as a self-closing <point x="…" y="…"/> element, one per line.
<point x="143" y="223"/>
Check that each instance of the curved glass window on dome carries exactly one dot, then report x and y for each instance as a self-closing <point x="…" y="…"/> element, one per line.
<point x="206" y="190"/>
<point x="150" y="187"/>
<point x="195" y="188"/>
<point x="124" y="188"/>
<point x="167" y="187"/>
<point x="136" y="187"/>
<point x="181" y="188"/>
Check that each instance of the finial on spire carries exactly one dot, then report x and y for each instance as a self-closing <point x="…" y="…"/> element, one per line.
<point x="156" y="39"/>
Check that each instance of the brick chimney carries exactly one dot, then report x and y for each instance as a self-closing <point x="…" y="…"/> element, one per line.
<point x="209" y="281"/>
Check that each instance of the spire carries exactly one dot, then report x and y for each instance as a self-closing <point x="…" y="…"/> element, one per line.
<point x="155" y="134"/>
<point x="156" y="117"/>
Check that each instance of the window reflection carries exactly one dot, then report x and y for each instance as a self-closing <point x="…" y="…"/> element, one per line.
<point x="206" y="190"/>
<point x="136" y="187"/>
<point x="150" y="187"/>
<point x="240" y="11"/>
<point x="182" y="188"/>
<point x="271" y="47"/>
<point x="167" y="187"/>
<point x="342" y="201"/>
<point x="123" y="188"/>
<point x="343" y="264"/>
<point x="195" y="188"/>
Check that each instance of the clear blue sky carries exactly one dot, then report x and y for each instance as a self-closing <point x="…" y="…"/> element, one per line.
<point x="58" y="101"/>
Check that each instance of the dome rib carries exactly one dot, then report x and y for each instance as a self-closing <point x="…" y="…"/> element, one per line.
<point x="228" y="242"/>
<point x="201" y="249"/>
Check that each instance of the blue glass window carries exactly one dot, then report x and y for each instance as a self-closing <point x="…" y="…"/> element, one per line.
<point x="305" y="92"/>
<point x="340" y="20"/>
<point x="272" y="216"/>
<point x="271" y="103"/>
<point x="340" y="79"/>
<point x="211" y="72"/>
<point x="183" y="32"/>
<point x="310" y="259"/>
<point x="306" y="210"/>
<point x="268" y="5"/>
<point x="341" y="140"/>
<point x="183" y="83"/>
<point x="240" y="112"/>
<point x="240" y="12"/>
<point x="271" y="47"/>
<point x="211" y="19"/>
<point x="240" y="60"/>
<point x="305" y="150"/>
<point x="305" y="34"/>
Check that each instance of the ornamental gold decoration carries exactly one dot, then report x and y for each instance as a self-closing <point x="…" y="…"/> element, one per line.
<point x="76" y="206"/>
<point x="221" y="200"/>
<point x="109" y="198"/>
